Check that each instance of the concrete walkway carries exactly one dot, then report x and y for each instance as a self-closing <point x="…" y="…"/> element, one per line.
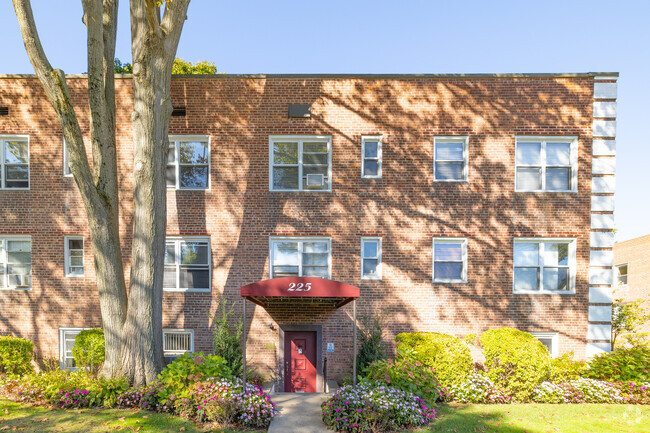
<point x="298" y="413"/>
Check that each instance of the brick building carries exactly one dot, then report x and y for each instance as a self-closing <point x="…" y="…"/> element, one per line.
<point x="632" y="271"/>
<point x="455" y="203"/>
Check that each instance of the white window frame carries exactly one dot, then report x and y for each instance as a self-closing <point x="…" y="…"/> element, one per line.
<point x="3" y="180"/>
<point x="300" y="240"/>
<point x="177" y="240"/>
<point x="62" y="357"/>
<point x="174" y="139"/>
<point x="573" y="158"/>
<point x="66" y="161"/>
<point x="453" y="138"/>
<point x="178" y="331"/>
<point x="377" y="239"/>
<point x="67" y="256"/>
<point x="301" y="139"/>
<point x="553" y="336"/>
<point x="4" y="259"/>
<point x="571" y="266"/>
<point x="374" y="139"/>
<point x="618" y="274"/>
<point x="463" y="278"/>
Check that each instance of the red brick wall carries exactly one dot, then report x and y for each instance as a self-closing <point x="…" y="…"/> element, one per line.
<point x="406" y="208"/>
<point x="636" y="254"/>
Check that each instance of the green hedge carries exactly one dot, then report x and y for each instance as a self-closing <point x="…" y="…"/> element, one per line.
<point x="16" y="355"/>
<point x="625" y="365"/>
<point x="449" y="356"/>
<point x="89" y="349"/>
<point x="517" y="362"/>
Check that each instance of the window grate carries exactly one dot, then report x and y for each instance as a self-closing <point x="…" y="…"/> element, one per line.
<point x="179" y="112"/>
<point x="177" y="342"/>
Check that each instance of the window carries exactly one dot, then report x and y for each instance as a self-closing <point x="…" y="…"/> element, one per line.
<point x="371" y="157"/>
<point x="549" y="340"/>
<point x="450" y="159"/>
<point x="187" y="265"/>
<point x="66" y="161"/>
<point x="370" y="258"/>
<point x="449" y="260"/>
<point x="300" y="163"/>
<point x="14" y="162"/>
<point x="177" y="341"/>
<point x="546" y="164"/>
<point x="621" y="275"/>
<point x="544" y="266"/>
<point x="188" y="162"/>
<point x="74" y="256"/>
<point x="300" y="257"/>
<point x="15" y="263"/>
<point x="66" y="343"/>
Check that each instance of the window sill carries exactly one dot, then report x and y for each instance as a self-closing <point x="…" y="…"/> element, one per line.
<point x="187" y="189"/>
<point x="300" y="190"/>
<point x="75" y="276"/>
<point x="451" y="180"/>
<point x="449" y="281"/>
<point x="545" y="191"/>
<point x="370" y="177"/>
<point x="15" y="189"/>
<point x="15" y="289"/>
<point x="188" y="290"/>
<point x="541" y="292"/>
<point x="371" y="278"/>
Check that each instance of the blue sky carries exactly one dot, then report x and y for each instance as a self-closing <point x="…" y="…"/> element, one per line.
<point x="402" y="37"/>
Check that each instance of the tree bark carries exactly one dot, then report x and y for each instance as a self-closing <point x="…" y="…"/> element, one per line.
<point x="132" y="325"/>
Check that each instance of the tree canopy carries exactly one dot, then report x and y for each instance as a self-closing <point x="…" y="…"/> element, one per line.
<point x="180" y="67"/>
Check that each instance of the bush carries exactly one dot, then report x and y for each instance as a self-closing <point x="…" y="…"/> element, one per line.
<point x="370" y="337"/>
<point x="16" y="356"/>
<point x="625" y="365"/>
<point x="634" y="393"/>
<point x="226" y="402"/>
<point x="516" y="361"/>
<point x="447" y="355"/>
<point x="88" y="351"/>
<point x="227" y="343"/>
<point x="478" y="388"/>
<point x="408" y="376"/>
<point x="374" y="407"/>
<point x="188" y="368"/>
<point x="108" y="390"/>
<point x="581" y="390"/>
<point x="564" y="368"/>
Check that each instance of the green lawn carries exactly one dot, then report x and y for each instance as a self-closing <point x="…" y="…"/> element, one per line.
<point x="19" y="417"/>
<point x="541" y="418"/>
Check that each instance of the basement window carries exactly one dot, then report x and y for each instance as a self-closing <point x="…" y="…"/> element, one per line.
<point x="549" y="340"/>
<point x="177" y="341"/>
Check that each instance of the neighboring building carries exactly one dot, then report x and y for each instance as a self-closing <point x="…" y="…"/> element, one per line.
<point x="632" y="271"/>
<point x="454" y="203"/>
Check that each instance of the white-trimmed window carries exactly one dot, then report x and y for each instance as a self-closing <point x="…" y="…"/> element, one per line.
<point x="15" y="263"/>
<point x="66" y="343"/>
<point x="300" y="257"/>
<point x="450" y="159"/>
<point x="74" y="256"/>
<point x="548" y="339"/>
<point x="371" y="156"/>
<point x="14" y="162"/>
<point x="371" y="258"/>
<point x="300" y="163"/>
<point x="621" y="275"/>
<point x="188" y="162"/>
<point x="546" y="164"/>
<point x="66" y="161"/>
<point x="544" y="265"/>
<point x="187" y="264"/>
<point x="177" y="341"/>
<point x="449" y="260"/>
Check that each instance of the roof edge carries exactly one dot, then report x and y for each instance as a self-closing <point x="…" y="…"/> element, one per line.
<point x="613" y="75"/>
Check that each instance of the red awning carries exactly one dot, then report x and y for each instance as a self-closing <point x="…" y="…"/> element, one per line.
<point x="290" y="288"/>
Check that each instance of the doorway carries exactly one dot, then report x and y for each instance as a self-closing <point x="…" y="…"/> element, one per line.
<point x="300" y="361"/>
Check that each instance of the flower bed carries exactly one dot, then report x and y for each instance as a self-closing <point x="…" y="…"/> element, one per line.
<point x="373" y="406"/>
<point x="478" y="388"/>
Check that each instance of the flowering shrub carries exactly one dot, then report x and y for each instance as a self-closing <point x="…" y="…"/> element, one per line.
<point x="226" y="402"/>
<point x="408" y="376"/>
<point x="375" y="407"/>
<point x="581" y="390"/>
<point x="634" y="393"/>
<point x="478" y="388"/>
<point x="626" y="365"/>
<point x="73" y="399"/>
<point x="145" y="397"/>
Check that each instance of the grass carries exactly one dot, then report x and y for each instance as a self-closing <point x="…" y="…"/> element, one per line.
<point x="541" y="418"/>
<point x="23" y="418"/>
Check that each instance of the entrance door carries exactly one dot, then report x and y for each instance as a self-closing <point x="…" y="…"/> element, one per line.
<point x="300" y="361"/>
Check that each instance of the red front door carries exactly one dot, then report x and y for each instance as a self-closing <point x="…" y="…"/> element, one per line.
<point x="300" y="361"/>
